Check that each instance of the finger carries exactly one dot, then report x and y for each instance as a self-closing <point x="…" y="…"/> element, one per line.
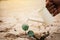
<point x="55" y="13"/>
<point x="52" y="7"/>
<point x="55" y="9"/>
<point x="47" y="1"/>
<point x="49" y="4"/>
<point x="52" y="11"/>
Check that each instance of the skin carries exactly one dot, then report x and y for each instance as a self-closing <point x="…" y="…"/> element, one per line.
<point x="53" y="6"/>
<point x="57" y="3"/>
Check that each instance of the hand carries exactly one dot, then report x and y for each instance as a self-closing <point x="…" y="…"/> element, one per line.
<point x="51" y="7"/>
<point x="57" y="3"/>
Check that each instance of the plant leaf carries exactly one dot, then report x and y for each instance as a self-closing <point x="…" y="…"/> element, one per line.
<point x="31" y="33"/>
<point x="25" y="27"/>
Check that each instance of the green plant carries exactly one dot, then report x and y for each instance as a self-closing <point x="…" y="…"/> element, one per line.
<point x="25" y="27"/>
<point x="30" y="33"/>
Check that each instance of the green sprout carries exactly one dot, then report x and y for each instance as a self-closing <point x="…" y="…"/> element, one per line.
<point x="25" y="27"/>
<point x="30" y="33"/>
